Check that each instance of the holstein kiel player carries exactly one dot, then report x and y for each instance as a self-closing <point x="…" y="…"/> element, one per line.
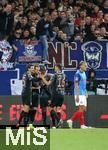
<point x="80" y="95"/>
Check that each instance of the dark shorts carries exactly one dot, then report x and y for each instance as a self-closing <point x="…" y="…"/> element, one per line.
<point x="57" y="100"/>
<point x="30" y="100"/>
<point x="26" y="99"/>
<point x="44" y="101"/>
<point x="35" y="98"/>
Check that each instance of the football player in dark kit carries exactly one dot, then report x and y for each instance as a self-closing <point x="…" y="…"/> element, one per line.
<point x="35" y="95"/>
<point x="57" y="83"/>
<point x="26" y="94"/>
<point x="45" y="92"/>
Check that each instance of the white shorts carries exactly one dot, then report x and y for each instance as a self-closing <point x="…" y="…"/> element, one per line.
<point x="82" y="100"/>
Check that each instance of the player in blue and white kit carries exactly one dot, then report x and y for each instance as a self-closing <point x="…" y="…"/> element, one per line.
<point x="80" y="95"/>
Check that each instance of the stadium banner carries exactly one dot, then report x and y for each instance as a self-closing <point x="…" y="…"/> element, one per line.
<point x="28" y="52"/>
<point x="10" y="108"/>
<point x="95" y="53"/>
<point x="5" y="55"/>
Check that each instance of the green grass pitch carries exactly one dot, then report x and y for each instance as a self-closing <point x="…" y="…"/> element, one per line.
<point x="66" y="139"/>
<point x="79" y="139"/>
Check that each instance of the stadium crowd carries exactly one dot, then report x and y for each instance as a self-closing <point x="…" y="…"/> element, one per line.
<point x="66" y="20"/>
<point x="53" y="20"/>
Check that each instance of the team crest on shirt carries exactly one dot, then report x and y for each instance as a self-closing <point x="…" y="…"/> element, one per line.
<point x="92" y="54"/>
<point x="29" y="50"/>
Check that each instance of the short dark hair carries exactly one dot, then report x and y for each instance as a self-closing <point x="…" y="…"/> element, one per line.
<point x="91" y="71"/>
<point x="42" y="67"/>
<point x="29" y="66"/>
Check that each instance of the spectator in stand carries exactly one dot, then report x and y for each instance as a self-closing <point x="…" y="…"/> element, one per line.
<point x="63" y="37"/>
<point x="55" y="30"/>
<point x="91" y="82"/>
<point x="95" y="11"/>
<point x="15" y="40"/>
<point x="96" y="34"/>
<point x="16" y="35"/>
<point x="58" y="36"/>
<point x="33" y="33"/>
<point x="105" y="6"/>
<point x="96" y="23"/>
<point x="103" y="33"/>
<point x="87" y="27"/>
<point x="33" y="18"/>
<point x="40" y="12"/>
<point x="23" y="23"/>
<point x="71" y="23"/>
<point x="51" y="7"/>
<point x="100" y="16"/>
<point x="81" y="3"/>
<point x="26" y="34"/>
<point x="89" y="7"/>
<point x="78" y="37"/>
<point x="105" y="23"/>
<point x="82" y="27"/>
<point x="43" y="32"/>
<point x="55" y="18"/>
<point x="43" y="3"/>
<point x="98" y="2"/>
<point x="82" y="16"/>
<point x="6" y="19"/>
<point x="21" y="8"/>
<point x="64" y="23"/>
<point x="76" y="9"/>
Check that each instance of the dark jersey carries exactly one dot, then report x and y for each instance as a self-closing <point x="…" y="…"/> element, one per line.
<point x="58" y="83"/>
<point x="36" y="83"/>
<point x="27" y="84"/>
<point x="46" y="90"/>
